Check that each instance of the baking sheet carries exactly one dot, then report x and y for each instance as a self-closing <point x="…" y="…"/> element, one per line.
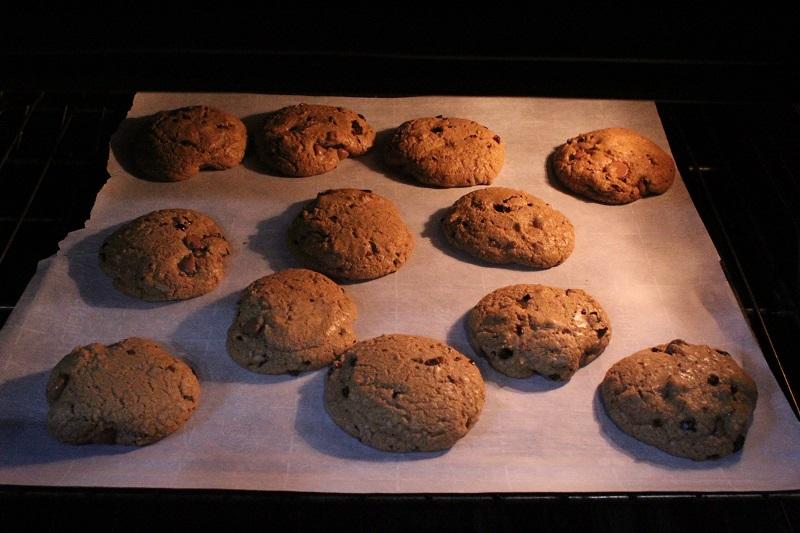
<point x="651" y="265"/>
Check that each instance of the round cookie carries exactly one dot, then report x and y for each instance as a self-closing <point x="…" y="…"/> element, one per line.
<point x="291" y="321"/>
<point x="401" y="393"/>
<point x="175" y="145"/>
<point x="171" y="254"/>
<point x="306" y="140"/>
<point x="532" y="329"/>
<point x="688" y="400"/>
<point x="505" y="226"/>
<point x="352" y="234"/>
<point x="132" y="392"/>
<point x="613" y="166"/>
<point x="446" y="152"/>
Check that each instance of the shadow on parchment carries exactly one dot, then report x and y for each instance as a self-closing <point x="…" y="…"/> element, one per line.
<point x="24" y="439"/>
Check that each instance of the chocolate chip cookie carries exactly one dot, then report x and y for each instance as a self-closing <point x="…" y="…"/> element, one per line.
<point x="175" y="145"/>
<point x="401" y="393"/>
<point x="688" y="400"/>
<point x="613" y="166"/>
<point x="446" y="152"/>
<point x="505" y="226"/>
<point x="351" y="234"/>
<point x="291" y="321"/>
<point x="132" y="392"/>
<point x="171" y="254"/>
<point x="533" y="329"/>
<point x="306" y="140"/>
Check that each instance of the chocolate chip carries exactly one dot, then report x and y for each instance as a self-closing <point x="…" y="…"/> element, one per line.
<point x="439" y="116"/>
<point x="602" y="332"/>
<point x="519" y="330"/>
<point x="526" y="298"/>
<point x="353" y="361"/>
<point x="656" y="350"/>
<point x="362" y="117"/>
<point x="131" y="352"/>
<point x="188" y="265"/>
<point x="356" y="127"/>
<point x="346" y="392"/>
<point x="738" y="444"/>
<point x="713" y="379"/>
<point x="433" y="362"/>
<point x="395" y="394"/>
<point x="496" y="139"/>
<point x="723" y="352"/>
<point x="437" y="130"/>
<point x="194" y="243"/>
<point x="500" y="208"/>
<point x="505" y="353"/>
<point x="674" y="346"/>
<point x="657" y="423"/>
<point x="55" y="391"/>
<point x="689" y="424"/>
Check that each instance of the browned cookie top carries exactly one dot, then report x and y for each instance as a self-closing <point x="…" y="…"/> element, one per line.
<point x="131" y="392"/>
<point x="291" y="321"/>
<point x="177" y="144"/>
<point x="688" y="400"/>
<point x="404" y="393"/>
<point x="613" y="166"/>
<point x="171" y="254"/>
<point x="527" y="329"/>
<point x="505" y="226"/>
<point x="352" y="234"/>
<point x="306" y="140"/>
<point x="446" y="152"/>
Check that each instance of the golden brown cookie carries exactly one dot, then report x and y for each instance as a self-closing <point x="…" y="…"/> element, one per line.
<point x="401" y="393"/>
<point x="306" y="140"/>
<point x="291" y="321"/>
<point x="613" y="166"/>
<point x="171" y="254"/>
<point x="686" y="399"/>
<point x="352" y="234"/>
<point x="533" y="329"/>
<point x="446" y="152"/>
<point x="132" y="392"/>
<point x="175" y="145"/>
<point x="505" y="226"/>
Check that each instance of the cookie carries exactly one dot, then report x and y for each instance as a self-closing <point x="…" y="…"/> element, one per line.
<point x="686" y="399"/>
<point x="505" y="226"/>
<point x="613" y="166"/>
<point x="132" y="392"/>
<point x="291" y="321"/>
<point x="533" y="329"/>
<point x="306" y="140"/>
<point x="352" y="234"/>
<point x="446" y="152"/>
<point x="175" y="145"/>
<point x="171" y="254"/>
<point x="401" y="393"/>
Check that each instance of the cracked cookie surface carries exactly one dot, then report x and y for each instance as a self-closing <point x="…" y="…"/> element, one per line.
<point x="689" y="400"/>
<point x="171" y="254"/>
<point x="506" y="226"/>
<point x="291" y="321"/>
<point x="403" y="393"/>
<point x="533" y="329"/>
<point x="352" y="234"/>
<point x="306" y="139"/>
<point x="132" y="392"/>
<point x="613" y="166"/>
<point x="177" y="144"/>
<point x="446" y="152"/>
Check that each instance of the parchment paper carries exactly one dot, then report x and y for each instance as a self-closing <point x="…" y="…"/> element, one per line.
<point x="651" y="265"/>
